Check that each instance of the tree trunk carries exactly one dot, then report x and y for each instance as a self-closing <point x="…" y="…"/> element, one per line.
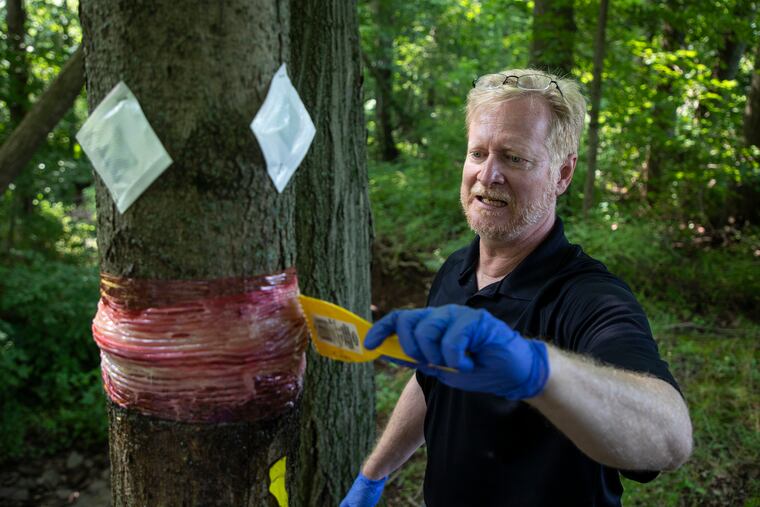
<point x="382" y="72"/>
<point x="729" y="56"/>
<point x="596" y="99"/>
<point x="553" y="35"/>
<point x="664" y="115"/>
<point x="201" y="72"/>
<point x="18" y="67"/>
<point x="18" y="77"/>
<point x="333" y="233"/>
<point x="752" y="110"/>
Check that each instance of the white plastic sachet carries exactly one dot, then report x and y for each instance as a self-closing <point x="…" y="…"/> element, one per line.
<point x="123" y="147"/>
<point x="283" y="128"/>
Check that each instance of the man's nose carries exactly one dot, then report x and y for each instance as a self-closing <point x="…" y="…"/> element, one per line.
<point x="490" y="173"/>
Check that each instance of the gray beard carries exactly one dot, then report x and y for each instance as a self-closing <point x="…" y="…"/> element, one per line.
<point x="515" y="226"/>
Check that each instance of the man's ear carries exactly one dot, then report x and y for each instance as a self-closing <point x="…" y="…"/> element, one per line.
<point x="565" y="173"/>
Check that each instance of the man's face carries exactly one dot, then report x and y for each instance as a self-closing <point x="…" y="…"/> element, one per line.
<point x="508" y="189"/>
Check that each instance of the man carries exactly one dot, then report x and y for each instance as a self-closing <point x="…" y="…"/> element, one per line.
<point x="558" y="387"/>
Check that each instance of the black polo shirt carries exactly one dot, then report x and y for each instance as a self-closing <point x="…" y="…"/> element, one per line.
<point x="484" y="450"/>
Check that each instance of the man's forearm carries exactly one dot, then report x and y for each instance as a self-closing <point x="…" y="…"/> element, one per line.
<point x="402" y="435"/>
<point x="618" y="418"/>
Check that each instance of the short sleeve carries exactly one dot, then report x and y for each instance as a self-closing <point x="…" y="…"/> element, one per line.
<point x="607" y="323"/>
<point x="604" y="321"/>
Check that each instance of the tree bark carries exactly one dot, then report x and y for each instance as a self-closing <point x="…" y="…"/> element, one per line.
<point x="752" y="110"/>
<point x="554" y="31"/>
<point x="31" y="132"/>
<point x="333" y="235"/>
<point x="200" y="72"/>
<point x="596" y="99"/>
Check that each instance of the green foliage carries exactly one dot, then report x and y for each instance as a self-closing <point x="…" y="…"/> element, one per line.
<point x="59" y="172"/>
<point x="719" y="376"/>
<point x="673" y="267"/>
<point x="415" y="211"/>
<point x="404" y="486"/>
<point x="390" y="380"/>
<point x="50" y="390"/>
<point x="51" y="394"/>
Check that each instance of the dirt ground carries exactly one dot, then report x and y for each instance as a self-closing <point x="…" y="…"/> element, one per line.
<point x="74" y="478"/>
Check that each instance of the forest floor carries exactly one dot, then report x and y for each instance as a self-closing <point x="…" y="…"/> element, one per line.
<point x="74" y="478"/>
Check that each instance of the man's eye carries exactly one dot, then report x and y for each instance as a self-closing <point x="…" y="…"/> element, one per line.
<point x="515" y="159"/>
<point x="476" y="154"/>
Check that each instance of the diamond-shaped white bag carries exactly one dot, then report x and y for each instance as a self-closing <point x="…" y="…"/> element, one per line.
<point x="123" y="147"/>
<point x="283" y="128"/>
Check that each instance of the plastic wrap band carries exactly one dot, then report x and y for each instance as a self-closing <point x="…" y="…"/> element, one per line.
<point x="202" y="351"/>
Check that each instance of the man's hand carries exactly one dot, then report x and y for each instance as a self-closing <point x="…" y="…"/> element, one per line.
<point x="488" y="355"/>
<point x="364" y="492"/>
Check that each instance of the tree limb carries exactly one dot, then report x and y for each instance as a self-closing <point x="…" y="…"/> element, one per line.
<point x="23" y="142"/>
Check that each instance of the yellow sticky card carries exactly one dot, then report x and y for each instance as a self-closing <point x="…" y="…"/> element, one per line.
<point x="339" y="334"/>
<point x="277" y="482"/>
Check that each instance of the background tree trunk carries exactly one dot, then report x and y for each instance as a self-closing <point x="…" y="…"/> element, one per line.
<point x="333" y="234"/>
<point x="382" y="72"/>
<point x="553" y="35"/>
<point x="664" y="114"/>
<point x="752" y="110"/>
<point x="596" y="99"/>
<point x="201" y="72"/>
<point x="18" y="66"/>
<point x="729" y="56"/>
<point x="18" y="78"/>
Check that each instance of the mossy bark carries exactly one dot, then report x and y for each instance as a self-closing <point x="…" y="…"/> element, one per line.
<point x="201" y="71"/>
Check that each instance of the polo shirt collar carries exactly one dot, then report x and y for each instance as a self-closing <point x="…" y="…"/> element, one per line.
<point x="530" y="275"/>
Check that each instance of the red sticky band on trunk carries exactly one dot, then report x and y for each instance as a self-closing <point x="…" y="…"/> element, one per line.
<point x="202" y="351"/>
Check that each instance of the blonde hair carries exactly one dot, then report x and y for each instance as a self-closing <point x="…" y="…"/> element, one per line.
<point x="568" y="109"/>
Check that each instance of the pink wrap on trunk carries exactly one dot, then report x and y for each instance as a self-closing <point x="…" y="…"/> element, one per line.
<point x="202" y="351"/>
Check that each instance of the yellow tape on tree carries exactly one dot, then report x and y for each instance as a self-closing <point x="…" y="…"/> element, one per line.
<point x="277" y="482"/>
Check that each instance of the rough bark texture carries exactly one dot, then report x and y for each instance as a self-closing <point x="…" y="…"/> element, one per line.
<point x="553" y="35"/>
<point x="596" y="99"/>
<point x="333" y="235"/>
<point x="200" y="71"/>
<point x="19" y="148"/>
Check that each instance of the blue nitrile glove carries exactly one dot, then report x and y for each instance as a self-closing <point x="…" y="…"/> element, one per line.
<point x="364" y="492"/>
<point x="490" y="357"/>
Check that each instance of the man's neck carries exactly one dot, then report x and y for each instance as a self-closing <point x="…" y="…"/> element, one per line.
<point x="498" y="259"/>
